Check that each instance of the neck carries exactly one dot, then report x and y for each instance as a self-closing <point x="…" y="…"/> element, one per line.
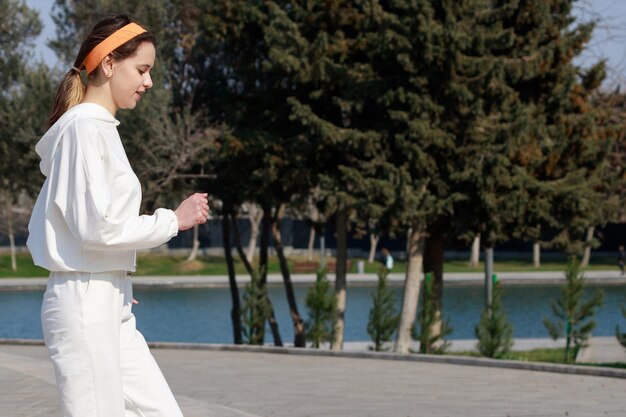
<point x="99" y="93"/>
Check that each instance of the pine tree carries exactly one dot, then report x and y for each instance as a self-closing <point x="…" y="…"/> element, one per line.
<point x="428" y="316"/>
<point x="255" y="312"/>
<point x="383" y="320"/>
<point x="284" y="77"/>
<point x="321" y="305"/>
<point x="503" y="124"/>
<point x="494" y="332"/>
<point x="573" y="312"/>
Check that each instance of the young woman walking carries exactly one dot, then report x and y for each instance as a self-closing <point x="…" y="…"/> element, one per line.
<point x="85" y="229"/>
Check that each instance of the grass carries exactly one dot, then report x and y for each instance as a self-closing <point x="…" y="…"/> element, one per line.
<point x="554" y="355"/>
<point x="550" y="355"/>
<point x="161" y="264"/>
<point x="545" y="355"/>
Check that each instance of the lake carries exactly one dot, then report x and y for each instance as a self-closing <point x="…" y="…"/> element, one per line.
<point x="202" y="315"/>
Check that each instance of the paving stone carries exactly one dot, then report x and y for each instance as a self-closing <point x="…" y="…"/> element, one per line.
<point x="213" y="383"/>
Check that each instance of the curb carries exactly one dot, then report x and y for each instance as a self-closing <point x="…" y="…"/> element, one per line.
<point x="443" y="359"/>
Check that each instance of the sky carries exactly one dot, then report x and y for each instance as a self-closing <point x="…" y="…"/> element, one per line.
<point x="608" y="41"/>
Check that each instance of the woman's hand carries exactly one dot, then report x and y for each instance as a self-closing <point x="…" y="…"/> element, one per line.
<point x="192" y="211"/>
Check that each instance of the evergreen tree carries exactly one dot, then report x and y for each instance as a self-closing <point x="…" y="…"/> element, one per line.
<point x="494" y="332"/>
<point x="430" y="341"/>
<point x="612" y="121"/>
<point x="322" y="307"/>
<point x="405" y="48"/>
<point x="501" y="121"/>
<point x="573" y="312"/>
<point x="282" y="75"/>
<point x="255" y="311"/>
<point x="536" y="111"/>
<point x="383" y="320"/>
<point x="324" y="46"/>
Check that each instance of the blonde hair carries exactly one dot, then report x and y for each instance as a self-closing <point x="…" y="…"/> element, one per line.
<point x="70" y="92"/>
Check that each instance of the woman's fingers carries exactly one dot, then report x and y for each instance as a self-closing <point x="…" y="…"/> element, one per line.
<point x="192" y="211"/>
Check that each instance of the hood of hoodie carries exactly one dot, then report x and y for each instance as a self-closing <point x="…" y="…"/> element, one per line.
<point x="50" y="141"/>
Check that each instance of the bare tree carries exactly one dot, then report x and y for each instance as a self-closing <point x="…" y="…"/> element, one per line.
<point x="536" y="254"/>
<point x="16" y="215"/>
<point x="374" y="238"/>
<point x="255" y="215"/>
<point x="475" y="252"/>
<point x="181" y="148"/>
<point x="315" y="217"/>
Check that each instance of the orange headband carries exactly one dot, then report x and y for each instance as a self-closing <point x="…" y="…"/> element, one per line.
<point x="114" y="40"/>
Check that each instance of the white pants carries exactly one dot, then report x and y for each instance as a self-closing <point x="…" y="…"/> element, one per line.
<point x="102" y="363"/>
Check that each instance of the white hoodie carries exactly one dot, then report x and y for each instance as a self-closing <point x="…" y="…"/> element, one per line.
<point x="86" y="217"/>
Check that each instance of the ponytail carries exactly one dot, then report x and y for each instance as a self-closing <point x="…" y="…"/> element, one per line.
<point x="70" y="92"/>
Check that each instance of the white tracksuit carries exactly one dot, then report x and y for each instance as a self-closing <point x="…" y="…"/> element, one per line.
<point x="85" y="228"/>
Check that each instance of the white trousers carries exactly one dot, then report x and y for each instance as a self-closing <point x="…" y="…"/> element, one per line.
<point x="102" y="363"/>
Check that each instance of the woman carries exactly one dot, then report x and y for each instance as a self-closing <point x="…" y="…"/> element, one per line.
<point x="86" y="227"/>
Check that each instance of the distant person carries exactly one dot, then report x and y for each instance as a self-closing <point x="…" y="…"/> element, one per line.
<point x="621" y="258"/>
<point x="387" y="259"/>
<point x="85" y="229"/>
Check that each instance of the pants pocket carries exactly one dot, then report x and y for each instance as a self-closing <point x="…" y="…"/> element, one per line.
<point x="101" y="300"/>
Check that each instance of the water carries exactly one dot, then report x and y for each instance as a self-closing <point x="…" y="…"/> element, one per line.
<point x="203" y="315"/>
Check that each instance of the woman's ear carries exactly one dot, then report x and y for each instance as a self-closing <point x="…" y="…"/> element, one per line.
<point x="107" y="66"/>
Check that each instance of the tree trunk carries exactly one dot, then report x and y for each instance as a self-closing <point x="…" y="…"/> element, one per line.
<point x="433" y="262"/>
<point x="196" y="245"/>
<point x="488" y="278"/>
<point x="278" y="341"/>
<point x="255" y="220"/>
<point x="536" y="254"/>
<point x="323" y="248"/>
<point x="235" y="312"/>
<point x="11" y="234"/>
<point x="266" y="227"/>
<point x="587" y="254"/>
<point x="411" y="290"/>
<point x="298" y="324"/>
<point x="242" y="255"/>
<point x="13" y="252"/>
<point x="374" y="238"/>
<point x="475" y="255"/>
<point x="309" y="254"/>
<point x="340" y="278"/>
<point x="263" y="265"/>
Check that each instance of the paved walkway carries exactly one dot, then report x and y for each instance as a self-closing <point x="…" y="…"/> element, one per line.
<point x="214" y="383"/>
<point x="453" y="278"/>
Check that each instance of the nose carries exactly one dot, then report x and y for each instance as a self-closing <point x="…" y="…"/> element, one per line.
<point x="147" y="80"/>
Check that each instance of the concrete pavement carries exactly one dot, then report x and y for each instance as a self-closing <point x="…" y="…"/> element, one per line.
<point x="452" y="278"/>
<point x="212" y="383"/>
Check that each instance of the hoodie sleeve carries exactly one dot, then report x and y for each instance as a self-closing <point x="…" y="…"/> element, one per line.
<point x="83" y="195"/>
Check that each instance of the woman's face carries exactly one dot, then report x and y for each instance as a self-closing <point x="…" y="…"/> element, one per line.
<point x="131" y="77"/>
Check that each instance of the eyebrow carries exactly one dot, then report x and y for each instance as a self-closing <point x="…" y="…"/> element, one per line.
<point x="145" y="65"/>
